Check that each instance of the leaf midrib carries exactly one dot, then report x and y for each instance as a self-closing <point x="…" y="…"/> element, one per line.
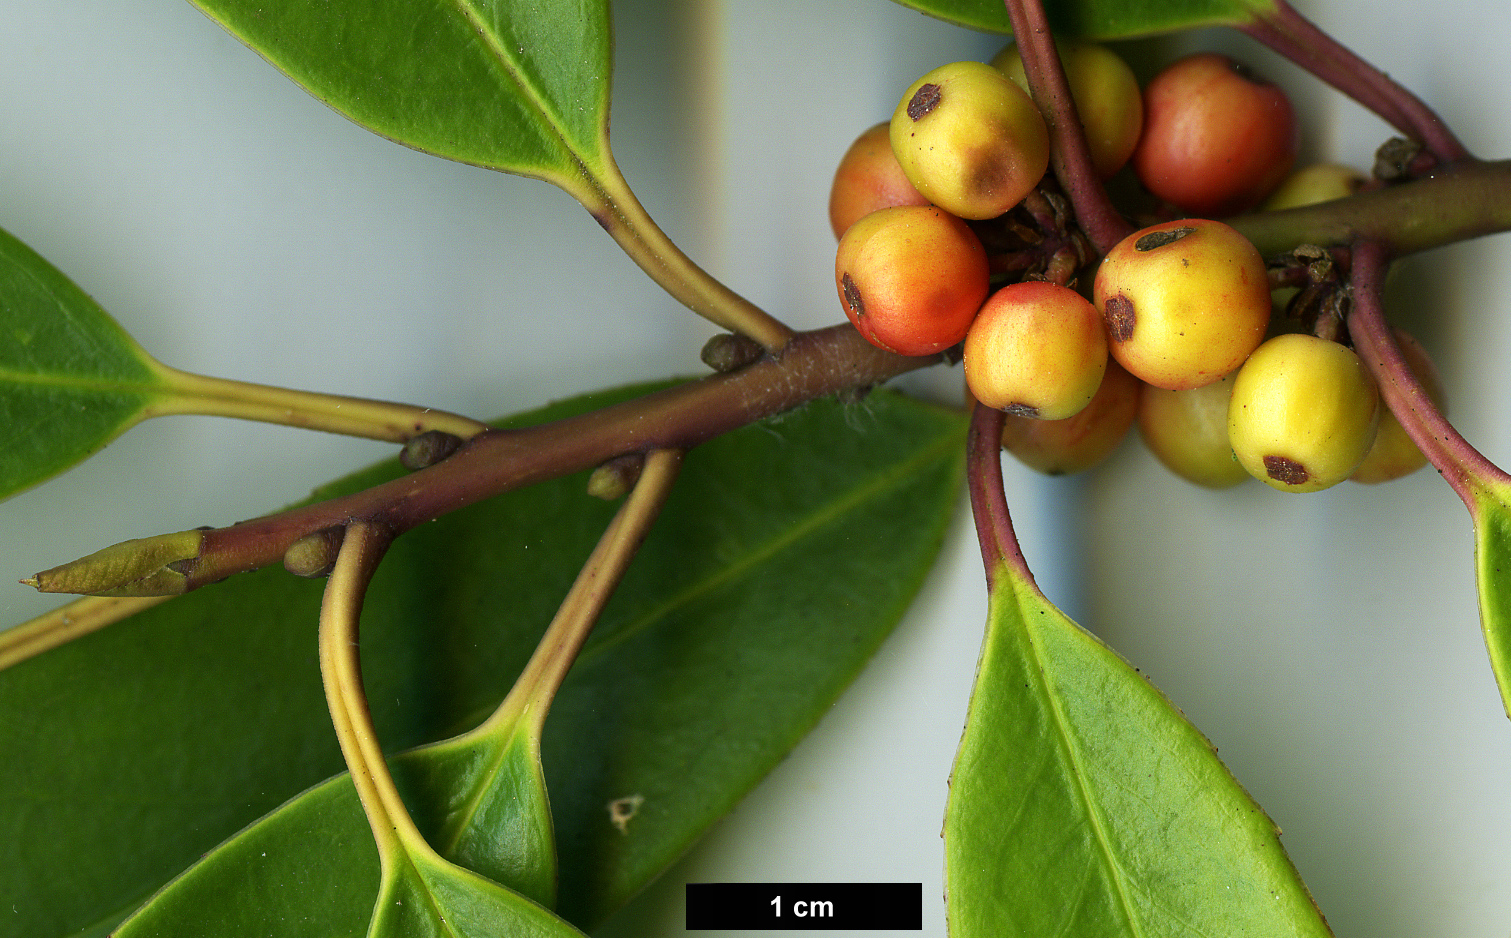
<point x="1039" y="672"/>
<point x="531" y="94"/>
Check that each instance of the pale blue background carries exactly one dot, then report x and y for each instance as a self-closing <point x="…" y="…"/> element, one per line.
<point x="1327" y="644"/>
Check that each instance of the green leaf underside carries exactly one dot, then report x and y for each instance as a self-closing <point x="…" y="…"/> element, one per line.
<point x="481" y="801"/>
<point x="1492" y="562"/>
<point x="785" y="555"/>
<point x="1099" y="19"/>
<point x="515" y="85"/>
<point x="1083" y="804"/>
<point x="426" y="898"/>
<point x="71" y="380"/>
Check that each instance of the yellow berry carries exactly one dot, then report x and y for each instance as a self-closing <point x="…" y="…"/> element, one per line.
<point x="970" y="140"/>
<point x="1303" y="413"/>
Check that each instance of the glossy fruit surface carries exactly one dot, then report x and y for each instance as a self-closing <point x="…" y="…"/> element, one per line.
<point x="868" y="179"/>
<point x="970" y="140"/>
<point x="1188" y="432"/>
<point x="1079" y="442"/>
<point x="911" y="278"/>
<point x="1303" y="413"/>
<point x="1393" y="454"/>
<point x="1184" y="302"/>
<point x="1216" y="139"/>
<point x="1036" y="350"/>
<point x="1311" y="185"/>
<point x="1106" y="94"/>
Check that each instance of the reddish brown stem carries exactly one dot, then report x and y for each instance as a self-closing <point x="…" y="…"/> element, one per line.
<point x="1298" y="39"/>
<point x="814" y="364"/>
<point x="994" y="526"/>
<point x="1460" y="464"/>
<point x="1070" y="156"/>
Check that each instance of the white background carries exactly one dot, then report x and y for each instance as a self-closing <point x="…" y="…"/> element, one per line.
<point x="1327" y="644"/>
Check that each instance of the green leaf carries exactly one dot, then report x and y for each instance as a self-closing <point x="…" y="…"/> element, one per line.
<point x="514" y="85"/>
<point x="71" y="380"/>
<point x="429" y="897"/>
<point x="1492" y="564"/>
<point x="1100" y="19"/>
<point x="784" y="556"/>
<point x="1083" y="804"/>
<point x="481" y="801"/>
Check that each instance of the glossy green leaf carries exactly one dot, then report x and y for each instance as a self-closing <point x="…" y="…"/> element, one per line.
<point x="429" y="898"/>
<point x="1492" y="562"/>
<point x="515" y="85"/>
<point x="1083" y="804"/>
<point x="481" y="801"/>
<point x="785" y="554"/>
<point x="71" y="380"/>
<point x="1100" y="19"/>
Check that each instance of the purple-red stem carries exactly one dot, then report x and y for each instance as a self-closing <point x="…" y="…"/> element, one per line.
<point x="813" y="365"/>
<point x="1298" y="39"/>
<point x="1069" y="154"/>
<point x="994" y="526"/>
<point x="1460" y="464"/>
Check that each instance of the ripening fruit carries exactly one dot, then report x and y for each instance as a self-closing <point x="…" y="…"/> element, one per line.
<point x="1076" y="443"/>
<point x="1216" y="139"/>
<point x="868" y="179"/>
<point x="1188" y="432"/>
<point x="1106" y="94"/>
<point x="1036" y="350"/>
<point x="911" y="278"/>
<point x="1303" y="413"/>
<point x="1394" y="454"/>
<point x="1310" y="185"/>
<point x="970" y="140"/>
<point x="1184" y="302"/>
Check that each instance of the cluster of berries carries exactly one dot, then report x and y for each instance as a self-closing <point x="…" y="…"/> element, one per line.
<point x="1173" y="334"/>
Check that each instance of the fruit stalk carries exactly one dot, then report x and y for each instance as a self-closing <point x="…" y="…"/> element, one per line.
<point x="1298" y="39"/>
<point x="1070" y="156"/>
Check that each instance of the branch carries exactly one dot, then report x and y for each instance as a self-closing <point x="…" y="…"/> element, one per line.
<point x="1293" y="36"/>
<point x="1069" y="153"/>
<point x="815" y="365"/>
<point x="1465" y="201"/>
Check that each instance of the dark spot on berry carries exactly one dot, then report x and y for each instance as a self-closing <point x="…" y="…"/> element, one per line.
<point x="924" y="100"/>
<point x="852" y="296"/>
<point x="1021" y="410"/>
<point x="1158" y="239"/>
<point x="1119" y="317"/>
<point x="1285" y="470"/>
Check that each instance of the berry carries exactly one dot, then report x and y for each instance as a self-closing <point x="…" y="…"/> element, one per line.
<point x="1320" y="182"/>
<point x="1074" y="444"/>
<point x="1036" y="350"/>
<point x="1303" y="413"/>
<point x="1188" y="431"/>
<point x="1106" y="95"/>
<point x="970" y="140"/>
<point x="1216" y="139"/>
<point x="1184" y="302"/>
<point x="868" y="179"/>
<point x="1394" y="454"/>
<point x="911" y="278"/>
